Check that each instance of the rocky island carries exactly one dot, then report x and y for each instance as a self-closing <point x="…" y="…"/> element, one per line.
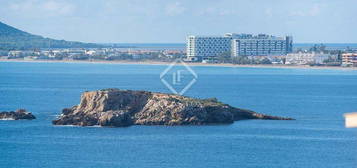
<point x="118" y="108"/>
<point x="20" y="114"/>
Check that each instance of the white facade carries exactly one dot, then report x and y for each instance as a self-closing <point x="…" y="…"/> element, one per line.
<point x="261" y="46"/>
<point x="90" y="52"/>
<point x="201" y="47"/>
<point x="307" y="58"/>
<point x="15" y="53"/>
<point x="349" y="59"/>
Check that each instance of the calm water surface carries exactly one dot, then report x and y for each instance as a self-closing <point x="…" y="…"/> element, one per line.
<point x="316" y="98"/>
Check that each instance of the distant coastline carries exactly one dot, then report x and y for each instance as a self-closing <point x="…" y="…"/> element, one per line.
<point x="332" y="46"/>
<point x="148" y="62"/>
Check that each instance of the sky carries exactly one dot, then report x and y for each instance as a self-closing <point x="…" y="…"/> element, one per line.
<point x="171" y="21"/>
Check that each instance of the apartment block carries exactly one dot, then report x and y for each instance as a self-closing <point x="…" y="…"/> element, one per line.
<point x="203" y="47"/>
<point x="260" y="45"/>
<point x="349" y="59"/>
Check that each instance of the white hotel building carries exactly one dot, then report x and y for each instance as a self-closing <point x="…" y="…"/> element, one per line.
<point x="200" y="47"/>
<point x="205" y="47"/>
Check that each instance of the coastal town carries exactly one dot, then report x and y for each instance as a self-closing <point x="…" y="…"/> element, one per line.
<point x="178" y="84"/>
<point x="244" y="49"/>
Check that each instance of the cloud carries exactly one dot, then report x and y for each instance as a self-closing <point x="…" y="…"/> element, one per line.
<point x="58" y="7"/>
<point x="174" y="9"/>
<point x="38" y="8"/>
<point x="312" y="11"/>
<point x="208" y="11"/>
<point x="217" y="11"/>
<point x="315" y="10"/>
<point x="269" y="12"/>
<point x="226" y="12"/>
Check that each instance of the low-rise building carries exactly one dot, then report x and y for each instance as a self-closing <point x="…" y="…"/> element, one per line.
<point x="15" y="54"/>
<point x="349" y="59"/>
<point x="304" y="58"/>
<point x="90" y="52"/>
<point x="30" y="58"/>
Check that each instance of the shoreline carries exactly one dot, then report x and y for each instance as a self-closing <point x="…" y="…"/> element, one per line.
<point x="188" y="63"/>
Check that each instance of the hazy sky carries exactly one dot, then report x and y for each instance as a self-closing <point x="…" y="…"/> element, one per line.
<point x="161" y="21"/>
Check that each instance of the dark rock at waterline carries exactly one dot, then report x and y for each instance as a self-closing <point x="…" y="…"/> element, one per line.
<point x="118" y="108"/>
<point x="20" y="114"/>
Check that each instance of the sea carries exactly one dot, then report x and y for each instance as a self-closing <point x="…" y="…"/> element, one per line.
<point x="316" y="98"/>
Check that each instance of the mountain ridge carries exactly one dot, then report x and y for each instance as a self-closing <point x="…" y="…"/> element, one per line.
<point x="13" y="38"/>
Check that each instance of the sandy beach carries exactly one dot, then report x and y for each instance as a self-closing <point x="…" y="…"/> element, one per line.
<point x="149" y="62"/>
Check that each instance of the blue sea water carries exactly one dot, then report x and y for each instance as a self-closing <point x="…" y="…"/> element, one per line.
<point x="316" y="98"/>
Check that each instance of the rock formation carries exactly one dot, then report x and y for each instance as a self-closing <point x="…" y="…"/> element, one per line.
<point x="20" y="114"/>
<point x="117" y="108"/>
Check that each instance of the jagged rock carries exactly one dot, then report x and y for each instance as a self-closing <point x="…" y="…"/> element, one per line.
<point x="114" y="107"/>
<point x="20" y="114"/>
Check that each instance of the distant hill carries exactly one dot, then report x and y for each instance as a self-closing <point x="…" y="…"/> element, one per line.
<point x="12" y="38"/>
